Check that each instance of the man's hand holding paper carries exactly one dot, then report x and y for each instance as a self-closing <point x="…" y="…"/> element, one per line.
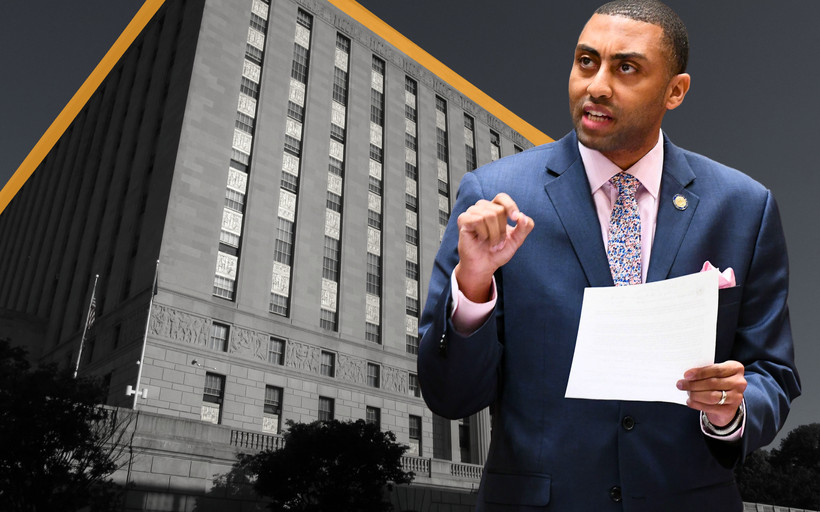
<point x="637" y="342"/>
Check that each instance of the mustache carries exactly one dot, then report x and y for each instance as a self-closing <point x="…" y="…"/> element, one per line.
<point x="599" y="101"/>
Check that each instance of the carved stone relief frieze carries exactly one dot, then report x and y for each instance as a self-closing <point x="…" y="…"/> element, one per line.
<point x="301" y="356"/>
<point x="179" y="326"/>
<point x="395" y="380"/>
<point x="351" y="369"/>
<point x="249" y="343"/>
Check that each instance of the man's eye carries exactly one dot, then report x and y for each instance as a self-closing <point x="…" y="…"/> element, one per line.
<point x="585" y="61"/>
<point x="628" y="68"/>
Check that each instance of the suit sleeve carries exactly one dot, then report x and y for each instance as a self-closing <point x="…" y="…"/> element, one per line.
<point x="763" y="340"/>
<point x="458" y="375"/>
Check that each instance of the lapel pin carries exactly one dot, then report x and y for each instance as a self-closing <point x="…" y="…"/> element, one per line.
<point x="680" y="202"/>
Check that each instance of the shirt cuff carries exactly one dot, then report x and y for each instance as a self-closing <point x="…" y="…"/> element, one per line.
<point x="467" y="316"/>
<point x="731" y="432"/>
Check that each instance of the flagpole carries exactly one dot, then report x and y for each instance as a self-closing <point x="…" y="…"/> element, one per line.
<point x="137" y="392"/>
<point x="85" y="327"/>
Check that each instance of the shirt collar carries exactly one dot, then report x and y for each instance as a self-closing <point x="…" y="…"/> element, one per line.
<point x="648" y="169"/>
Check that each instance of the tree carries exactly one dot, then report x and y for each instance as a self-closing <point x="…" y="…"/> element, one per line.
<point x="788" y="476"/>
<point x="59" y="446"/>
<point x="328" y="465"/>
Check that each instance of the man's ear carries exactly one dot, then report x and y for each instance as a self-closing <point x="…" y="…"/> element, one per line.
<point x="677" y="89"/>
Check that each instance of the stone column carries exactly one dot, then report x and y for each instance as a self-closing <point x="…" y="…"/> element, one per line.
<point x="480" y="436"/>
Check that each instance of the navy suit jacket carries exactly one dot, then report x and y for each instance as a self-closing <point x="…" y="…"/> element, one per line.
<point x="552" y="453"/>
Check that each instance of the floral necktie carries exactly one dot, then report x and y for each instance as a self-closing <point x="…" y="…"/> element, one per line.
<point x="624" y="249"/>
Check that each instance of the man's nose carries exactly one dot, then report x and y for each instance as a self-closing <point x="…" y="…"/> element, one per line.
<point x="600" y="85"/>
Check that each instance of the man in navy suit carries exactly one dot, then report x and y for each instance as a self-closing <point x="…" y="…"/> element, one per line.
<point x="529" y="232"/>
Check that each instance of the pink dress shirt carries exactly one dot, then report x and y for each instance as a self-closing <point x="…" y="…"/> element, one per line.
<point x="467" y="316"/>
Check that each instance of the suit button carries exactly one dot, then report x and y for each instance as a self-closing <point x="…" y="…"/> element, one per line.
<point x="628" y="423"/>
<point x="615" y="494"/>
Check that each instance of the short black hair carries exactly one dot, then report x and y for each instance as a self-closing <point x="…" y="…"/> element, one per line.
<point x="660" y="14"/>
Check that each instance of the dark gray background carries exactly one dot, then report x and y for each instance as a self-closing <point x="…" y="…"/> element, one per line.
<point x="753" y="104"/>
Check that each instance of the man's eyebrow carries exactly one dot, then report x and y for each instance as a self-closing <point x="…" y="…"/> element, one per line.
<point x="587" y="49"/>
<point x="629" y="56"/>
<point x="617" y="56"/>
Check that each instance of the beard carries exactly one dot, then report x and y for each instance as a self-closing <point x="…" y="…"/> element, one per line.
<point x="631" y="132"/>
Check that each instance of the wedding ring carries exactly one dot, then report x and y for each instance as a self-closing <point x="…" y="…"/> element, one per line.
<point x="722" y="398"/>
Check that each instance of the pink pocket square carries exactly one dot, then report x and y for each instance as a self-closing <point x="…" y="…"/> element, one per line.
<point x="727" y="277"/>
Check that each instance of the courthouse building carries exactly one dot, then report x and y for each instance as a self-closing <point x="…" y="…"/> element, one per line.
<point x="292" y="169"/>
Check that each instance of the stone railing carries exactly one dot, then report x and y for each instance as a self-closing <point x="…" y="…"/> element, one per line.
<point x="443" y="472"/>
<point x="256" y="441"/>
<point x="418" y="465"/>
<point x="428" y="470"/>
<point x="758" y="507"/>
<point x="471" y="471"/>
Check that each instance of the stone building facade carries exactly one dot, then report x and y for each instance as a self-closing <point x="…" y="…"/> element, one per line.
<point x="291" y="171"/>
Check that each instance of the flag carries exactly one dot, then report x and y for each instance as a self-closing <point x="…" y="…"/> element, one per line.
<point x="89" y="321"/>
<point x="92" y="312"/>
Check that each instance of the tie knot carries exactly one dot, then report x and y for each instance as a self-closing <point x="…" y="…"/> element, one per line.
<point x="626" y="183"/>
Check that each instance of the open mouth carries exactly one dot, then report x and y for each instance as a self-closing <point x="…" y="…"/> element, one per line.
<point x="596" y="116"/>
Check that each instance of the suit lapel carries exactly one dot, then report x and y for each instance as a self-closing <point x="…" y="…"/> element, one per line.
<point x="571" y="198"/>
<point x="672" y="223"/>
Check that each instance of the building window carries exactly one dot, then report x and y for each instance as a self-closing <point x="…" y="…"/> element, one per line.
<point x="328" y="320"/>
<point x="371" y="332"/>
<point x="271" y="419"/>
<point x="376" y="153"/>
<point x="373" y="375"/>
<point x="464" y="439"/>
<point x="415" y="390"/>
<point x="296" y="111"/>
<point x="299" y="70"/>
<point x="374" y="219"/>
<point x="411" y="270"/>
<point x="411" y="202"/>
<point x="325" y="408"/>
<point x="411" y="306"/>
<point x="290" y="182"/>
<point x="443" y="217"/>
<point x="374" y="415"/>
<point x="212" y="398"/>
<point x="283" y="247"/>
<point x="293" y="145"/>
<point x="469" y="142"/>
<point x="276" y="351"/>
<point x="304" y="19"/>
<point x="411" y="235"/>
<point x="411" y="343"/>
<point x="337" y="133"/>
<point x="328" y="368"/>
<point x="334" y="202"/>
<point x="411" y="171"/>
<point x="339" y="86"/>
<point x="330" y="261"/>
<point x="374" y="273"/>
<point x="278" y="304"/>
<point x="249" y="87"/>
<point x="223" y="287"/>
<point x="495" y="145"/>
<point x="374" y="185"/>
<point x="415" y="436"/>
<point x="219" y="337"/>
<point x="235" y="200"/>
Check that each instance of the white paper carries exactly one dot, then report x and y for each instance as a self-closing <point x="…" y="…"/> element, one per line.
<point x="636" y="342"/>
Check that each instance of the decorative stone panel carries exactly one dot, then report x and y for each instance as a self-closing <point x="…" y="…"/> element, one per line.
<point x="179" y="326"/>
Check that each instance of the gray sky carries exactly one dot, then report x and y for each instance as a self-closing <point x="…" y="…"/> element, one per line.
<point x="752" y="106"/>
